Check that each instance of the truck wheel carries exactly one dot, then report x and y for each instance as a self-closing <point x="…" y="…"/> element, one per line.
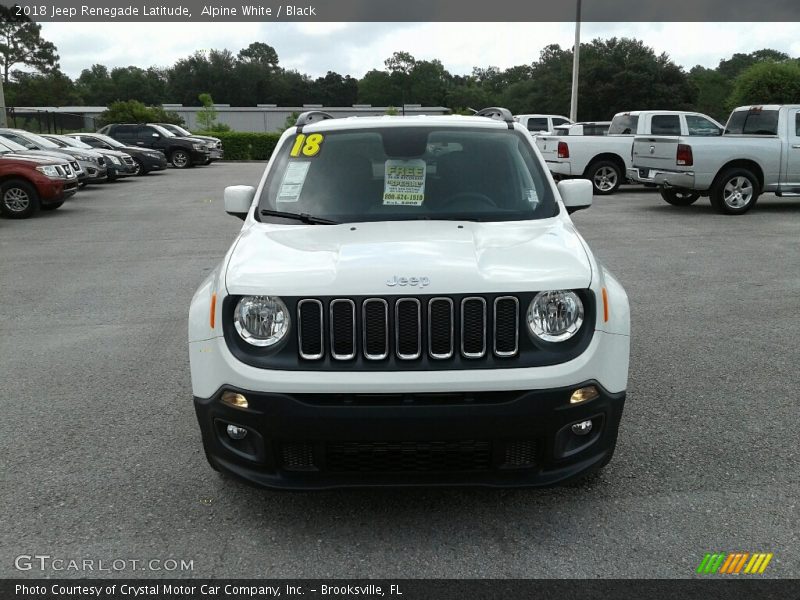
<point x="18" y="199"/>
<point x="180" y="159"/>
<point x="52" y="205"/>
<point x="735" y="191"/>
<point x="605" y="176"/>
<point x="679" y="197"/>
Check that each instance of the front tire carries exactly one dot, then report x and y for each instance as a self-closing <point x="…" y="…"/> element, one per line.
<point x="138" y="168"/>
<point x="735" y="191"/>
<point x="605" y="175"/>
<point x="180" y="159"/>
<point x="679" y="197"/>
<point x="52" y="205"/>
<point x="18" y="199"/>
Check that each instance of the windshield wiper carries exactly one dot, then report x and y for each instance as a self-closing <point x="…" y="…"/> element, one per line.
<point x="303" y="217"/>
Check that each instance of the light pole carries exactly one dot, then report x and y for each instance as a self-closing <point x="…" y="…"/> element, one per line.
<point x="573" y="105"/>
<point x="2" y="105"/>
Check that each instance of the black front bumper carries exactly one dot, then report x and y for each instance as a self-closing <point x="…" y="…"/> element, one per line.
<point x="120" y="171"/>
<point x="199" y="157"/>
<point x="500" y="439"/>
<point x="153" y="163"/>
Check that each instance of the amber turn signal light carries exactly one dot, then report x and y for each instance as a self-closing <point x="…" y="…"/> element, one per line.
<point x="234" y="399"/>
<point x="584" y="394"/>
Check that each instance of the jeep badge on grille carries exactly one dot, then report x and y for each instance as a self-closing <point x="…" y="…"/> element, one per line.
<point x="412" y="281"/>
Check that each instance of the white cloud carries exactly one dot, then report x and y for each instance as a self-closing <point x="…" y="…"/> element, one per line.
<point x="355" y="48"/>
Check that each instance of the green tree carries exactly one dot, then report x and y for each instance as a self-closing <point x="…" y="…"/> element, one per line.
<point x="132" y="83"/>
<point x="400" y="62"/>
<point x="291" y="120"/>
<point x="378" y="89"/>
<point x="261" y="54"/>
<point x="213" y="72"/>
<point x="428" y="83"/>
<point x="736" y="64"/>
<point x="334" y="90"/>
<point x="95" y="86"/>
<point x="206" y="116"/>
<point x="712" y="89"/>
<point x="133" y="111"/>
<point x="21" y="43"/>
<point x="42" y="89"/>
<point x="767" y="83"/>
<point x="617" y="74"/>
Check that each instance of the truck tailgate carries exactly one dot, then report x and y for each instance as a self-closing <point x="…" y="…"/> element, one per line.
<point x="548" y="146"/>
<point x="652" y="152"/>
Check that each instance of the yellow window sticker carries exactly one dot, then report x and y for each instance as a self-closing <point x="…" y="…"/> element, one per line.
<point x="307" y="145"/>
<point x="404" y="182"/>
<point x="293" y="179"/>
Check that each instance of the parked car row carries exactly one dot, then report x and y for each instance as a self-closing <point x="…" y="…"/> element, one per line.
<point x="182" y="148"/>
<point x="42" y="171"/>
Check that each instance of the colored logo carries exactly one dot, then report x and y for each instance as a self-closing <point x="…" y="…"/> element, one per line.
<point x="734" y="563"/>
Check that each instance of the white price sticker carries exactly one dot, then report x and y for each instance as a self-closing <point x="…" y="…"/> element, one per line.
<point x="293" y="179"/>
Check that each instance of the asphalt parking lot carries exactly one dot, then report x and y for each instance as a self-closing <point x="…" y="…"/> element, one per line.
<point x="101" y="455"/>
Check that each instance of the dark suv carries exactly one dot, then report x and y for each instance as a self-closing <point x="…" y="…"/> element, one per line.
<point x="182" y="152"/>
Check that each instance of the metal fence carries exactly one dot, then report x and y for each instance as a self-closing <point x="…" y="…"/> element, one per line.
<point x="48" y="121"/>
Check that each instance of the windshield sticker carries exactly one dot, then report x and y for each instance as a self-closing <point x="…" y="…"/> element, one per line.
<point x="404" y="182"/>
<point x="307" y="146"/>
<point x="532" y="197"/>
<point x="292" y="183"/>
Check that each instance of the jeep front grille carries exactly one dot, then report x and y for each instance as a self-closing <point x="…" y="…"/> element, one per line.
<point x="408" y="328"/>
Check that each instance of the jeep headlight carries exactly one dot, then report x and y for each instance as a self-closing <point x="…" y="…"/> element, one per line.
<point x="198" y="146"/>
<point x="49" y="171"/>
<point x="555" y="316"/>
<point x="261" y="320"/>
<point x="114" y="160"/>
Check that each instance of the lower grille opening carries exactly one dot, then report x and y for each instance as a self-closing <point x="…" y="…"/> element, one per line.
<point x="409" y="457"/>
<point x="520" y="454"/>
<point x="298" y="457"/>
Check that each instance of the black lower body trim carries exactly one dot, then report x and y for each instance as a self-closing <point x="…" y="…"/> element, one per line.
<point x="317" y="442"/>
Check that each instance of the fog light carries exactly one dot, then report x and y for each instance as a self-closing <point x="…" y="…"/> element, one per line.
<point x="234" y="399"/>
<point x="582" y="428"/>
<point x="583" y="394"/>
<point x="238" y="433"/>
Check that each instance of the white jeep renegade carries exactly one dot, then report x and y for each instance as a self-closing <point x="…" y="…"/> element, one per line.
<point x="408" y="303"/>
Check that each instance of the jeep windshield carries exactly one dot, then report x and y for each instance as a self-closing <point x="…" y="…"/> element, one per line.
<point x="408" y="173"/>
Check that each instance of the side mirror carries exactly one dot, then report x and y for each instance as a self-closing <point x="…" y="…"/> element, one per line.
<point x="238" y="199"/>
<point x="576" y="194"/>
<point x="156" y="136"/>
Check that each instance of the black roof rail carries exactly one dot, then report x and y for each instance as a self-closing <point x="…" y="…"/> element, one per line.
<point x="497" y="112"/>
<point x="311" y="116"/>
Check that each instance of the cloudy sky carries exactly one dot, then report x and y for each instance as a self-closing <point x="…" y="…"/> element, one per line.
<point x="355" y="48"/>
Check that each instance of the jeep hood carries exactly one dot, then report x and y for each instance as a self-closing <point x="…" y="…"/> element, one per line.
<point x="454" y="256"/>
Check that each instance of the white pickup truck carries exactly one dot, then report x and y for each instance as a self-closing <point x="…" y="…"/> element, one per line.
<point x="758" y="152"/>
<point x="541" y="123"/>
<point x="604" y="160"/>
